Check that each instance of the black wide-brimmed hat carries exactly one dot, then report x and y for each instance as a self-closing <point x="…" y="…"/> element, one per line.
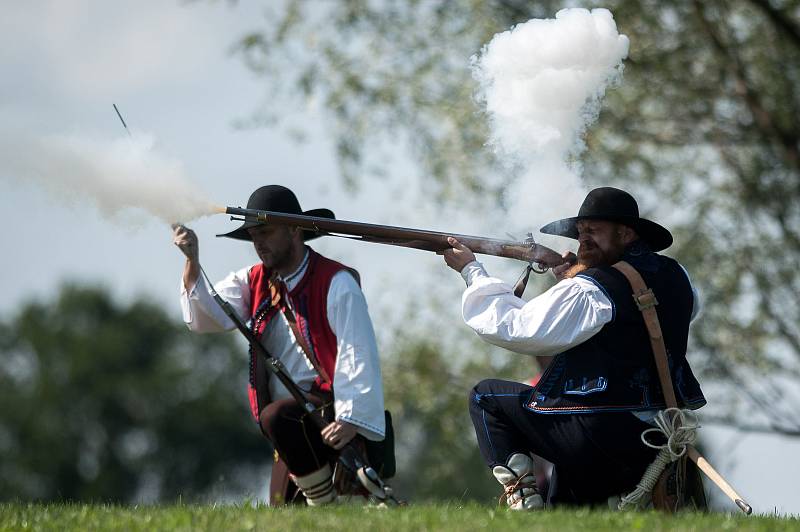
<point x="277" y="199"/>
<point x="614" y="205"/>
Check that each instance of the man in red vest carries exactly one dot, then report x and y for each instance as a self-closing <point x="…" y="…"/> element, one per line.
<point x="309" y="312"/>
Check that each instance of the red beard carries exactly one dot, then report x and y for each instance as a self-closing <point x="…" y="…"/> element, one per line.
<point x="591" y="255"/>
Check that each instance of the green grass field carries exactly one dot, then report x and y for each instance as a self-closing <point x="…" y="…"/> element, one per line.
<point x="461" y="518"/>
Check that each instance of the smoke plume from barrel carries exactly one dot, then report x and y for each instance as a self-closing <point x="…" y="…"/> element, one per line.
<point x="115" y="175"/>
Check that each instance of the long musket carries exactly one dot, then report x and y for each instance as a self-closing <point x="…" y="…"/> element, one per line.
<point x="527" y="250"/>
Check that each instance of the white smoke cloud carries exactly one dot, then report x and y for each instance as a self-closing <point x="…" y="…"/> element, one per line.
<point x="115" y="175"/>
<point x="542" y="83"/>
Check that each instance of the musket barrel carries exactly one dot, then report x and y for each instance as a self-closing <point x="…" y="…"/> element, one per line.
<point x="405" y="236"/>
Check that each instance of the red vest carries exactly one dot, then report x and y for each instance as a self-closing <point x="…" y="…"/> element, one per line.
<point x="310" y="304"/>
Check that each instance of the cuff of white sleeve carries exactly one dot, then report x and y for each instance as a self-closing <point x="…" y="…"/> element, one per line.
<point x="192" y="289"/>
<point x="186" y="296"/>
<point x="367" y="430"/>
<point x="472" y="271"/>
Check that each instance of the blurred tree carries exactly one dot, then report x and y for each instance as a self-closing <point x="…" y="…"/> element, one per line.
<point x="426" y="389"/>
<point x="107" y="402"/>
<point x="704" y="127"/>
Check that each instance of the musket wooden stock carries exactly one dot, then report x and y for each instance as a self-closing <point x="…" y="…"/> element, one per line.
<point x="402" y="236"/>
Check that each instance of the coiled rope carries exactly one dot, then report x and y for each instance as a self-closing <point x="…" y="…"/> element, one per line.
<point x="679" y="427"/>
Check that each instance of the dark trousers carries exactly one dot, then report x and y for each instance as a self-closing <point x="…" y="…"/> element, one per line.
<point x="595" y="456"/>
<point x="295" y="436"/>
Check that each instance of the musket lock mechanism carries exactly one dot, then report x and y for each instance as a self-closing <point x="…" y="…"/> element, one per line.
<point x="535" y="267"/>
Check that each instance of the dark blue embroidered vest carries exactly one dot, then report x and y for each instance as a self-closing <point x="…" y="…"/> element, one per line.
<point x="615" y="370"/>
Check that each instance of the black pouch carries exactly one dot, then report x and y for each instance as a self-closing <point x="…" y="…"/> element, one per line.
<point x="380" y="454"/>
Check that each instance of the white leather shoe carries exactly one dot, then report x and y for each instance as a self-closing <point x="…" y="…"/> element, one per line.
<point x="519" y="481"/>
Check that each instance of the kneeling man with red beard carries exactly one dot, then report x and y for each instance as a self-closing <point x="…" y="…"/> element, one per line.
<point x="601" y="391"/>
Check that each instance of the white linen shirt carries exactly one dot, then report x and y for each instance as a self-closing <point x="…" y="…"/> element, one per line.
<point x="358" y="397"/>
<point x="564" y="316"/>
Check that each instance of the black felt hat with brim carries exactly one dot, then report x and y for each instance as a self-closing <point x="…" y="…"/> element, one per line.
<point x="613" y="205"/>
<point x="277" y="199"/>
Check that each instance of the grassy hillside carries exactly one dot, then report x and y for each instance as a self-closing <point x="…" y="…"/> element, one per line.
<point x="454" y="517"/>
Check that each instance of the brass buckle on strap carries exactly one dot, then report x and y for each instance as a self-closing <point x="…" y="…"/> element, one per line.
<point x="645" y="299"/>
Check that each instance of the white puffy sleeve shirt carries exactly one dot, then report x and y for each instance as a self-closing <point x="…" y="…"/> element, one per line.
<point x="357" y="374"/>
<point x="564" y="316"/>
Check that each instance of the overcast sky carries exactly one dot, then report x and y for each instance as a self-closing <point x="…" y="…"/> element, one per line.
<point x="167" y="66"/>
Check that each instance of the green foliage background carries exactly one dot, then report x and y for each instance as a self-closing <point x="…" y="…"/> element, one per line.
<point x="108" y="402"/>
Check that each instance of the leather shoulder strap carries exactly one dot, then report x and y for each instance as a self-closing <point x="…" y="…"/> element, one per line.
<point x="301" y="340"/>
<point x="279" y="298"/>
<point x="646" y="302"/>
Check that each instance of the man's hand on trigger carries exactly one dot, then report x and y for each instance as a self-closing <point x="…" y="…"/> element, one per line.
<point x="186" y="240"/>
<point x="338" y="434"/>
<point x="569" y="261"/>
<point x="459" y="256"/>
